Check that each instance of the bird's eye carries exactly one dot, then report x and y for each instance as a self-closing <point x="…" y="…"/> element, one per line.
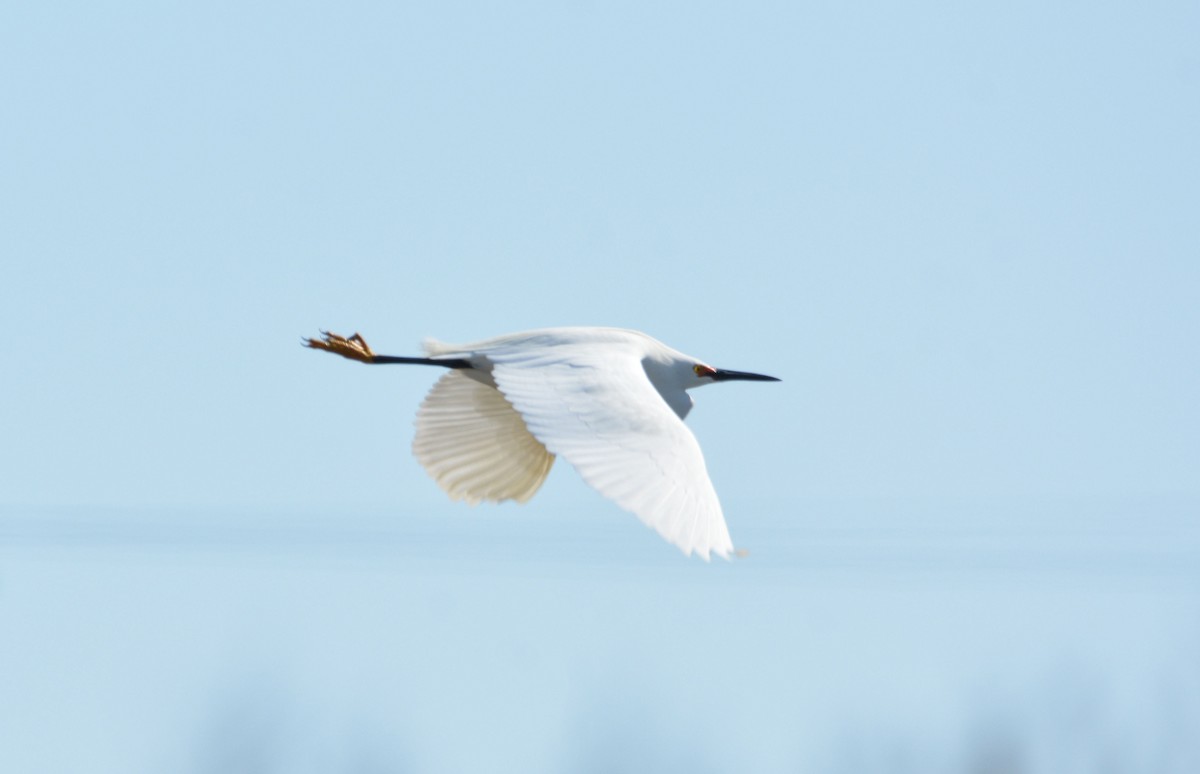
<point x="703" y="370"/>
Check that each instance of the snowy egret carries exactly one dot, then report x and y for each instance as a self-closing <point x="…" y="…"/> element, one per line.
<point x="611" y="401"/>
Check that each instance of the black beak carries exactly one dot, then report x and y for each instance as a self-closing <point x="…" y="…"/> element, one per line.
<point x="721" y="375"/>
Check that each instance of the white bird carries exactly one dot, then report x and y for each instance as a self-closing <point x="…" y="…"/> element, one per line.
<point x="610" y="401"/>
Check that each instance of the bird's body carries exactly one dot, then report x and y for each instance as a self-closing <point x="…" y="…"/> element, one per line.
<point x="610" y="401"/>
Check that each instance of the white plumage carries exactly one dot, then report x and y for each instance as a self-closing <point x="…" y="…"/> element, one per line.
<point x="609" y="401"/>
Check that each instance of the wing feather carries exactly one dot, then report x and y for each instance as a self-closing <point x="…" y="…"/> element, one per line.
<point x="605" y="417"/>
<point x="475" y="445"/>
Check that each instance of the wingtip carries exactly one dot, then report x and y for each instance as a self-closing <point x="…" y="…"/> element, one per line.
<point x="728" y="554"/>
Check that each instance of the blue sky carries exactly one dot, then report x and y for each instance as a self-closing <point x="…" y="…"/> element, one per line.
<point x="965" y="236"/>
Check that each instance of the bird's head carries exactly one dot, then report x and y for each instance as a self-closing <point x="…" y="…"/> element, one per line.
<point x="673" y="373"/>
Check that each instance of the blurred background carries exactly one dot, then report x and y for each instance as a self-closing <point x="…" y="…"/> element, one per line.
<point x="964" y="237"/>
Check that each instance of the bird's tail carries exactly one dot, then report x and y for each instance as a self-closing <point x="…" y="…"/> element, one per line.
<point x="434" y="348"/>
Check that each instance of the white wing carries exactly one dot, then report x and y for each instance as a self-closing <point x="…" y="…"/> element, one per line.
<point x="475" y="445"/>
<point x="602" y="414"/>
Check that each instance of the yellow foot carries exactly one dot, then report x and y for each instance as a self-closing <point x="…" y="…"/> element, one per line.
<point x="354" y="347"/>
